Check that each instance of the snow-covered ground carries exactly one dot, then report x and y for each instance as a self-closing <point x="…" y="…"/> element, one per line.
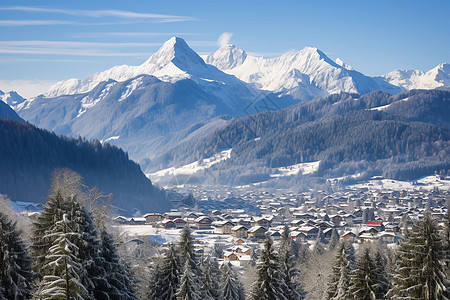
<point x="424" y="183"/>
<point x="192" y="168"/>
<point x="161" y="235"/>
<point x="302" y="168"/>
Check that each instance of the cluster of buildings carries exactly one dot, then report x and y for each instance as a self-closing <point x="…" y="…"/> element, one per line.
<point x="358" y="215"/>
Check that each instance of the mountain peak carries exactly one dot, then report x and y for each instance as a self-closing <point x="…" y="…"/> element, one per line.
<point x="11" y="98"/>
<point x="175" y="51"/>
<point x="227" y="57"/>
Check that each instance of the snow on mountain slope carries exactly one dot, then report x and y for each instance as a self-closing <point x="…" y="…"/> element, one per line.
<point x="192" y="168"/>
<point x="303" y="74"/>
<point x="11" y="98"/>
<point x="174" y="61"/>
<point x="416" y="79"/>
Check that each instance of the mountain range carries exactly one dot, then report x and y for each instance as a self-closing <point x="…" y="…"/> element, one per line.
<point x="177" y="98"/>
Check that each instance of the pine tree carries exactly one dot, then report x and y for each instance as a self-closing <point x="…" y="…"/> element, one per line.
<point x="62" y="272"/>
<point x="288" y="268"/>
<point x="270" y="282"/>
<point x="334" y="240"/>
<point x="338" y="288"/>
<point x="15" y="263"/>
<point x="210" y="278"/>
<point x="166" y="276"/>
<point x="381" y="275"/>
<point x="231" y="288"/>
<point x="52" y="213"/>
<point x="319" y="246"/>
<point x="363" y="281"/>
<point x="116" y="276"/>
<point x="419" y="270"/>
<point x="189" y="288"/>
<point x="186" y="245"/>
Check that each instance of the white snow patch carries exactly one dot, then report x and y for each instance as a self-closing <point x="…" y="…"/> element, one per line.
<point x="381" y="108"/>
<point x="89" y="101"/>
<point x="194" y="167"/>
<point x="426" y="183"/>
<point x="134" y="85"/>
<point x="302" y="168"/>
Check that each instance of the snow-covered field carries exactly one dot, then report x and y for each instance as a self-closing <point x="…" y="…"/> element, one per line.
<point x="302" y="168"/>
<point x="425" y="183"/>
<point x="192" y="168"/>
<point x="162" y="235"/>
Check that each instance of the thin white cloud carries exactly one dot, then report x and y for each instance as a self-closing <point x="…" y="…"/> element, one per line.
<point x="224" y="39"/>
<point x="33" y="22"/>
<point x="132" y="34"/>
<point x="70" y="48"/>
<point x="101" y="13"/>
<point x="26" y="88"/>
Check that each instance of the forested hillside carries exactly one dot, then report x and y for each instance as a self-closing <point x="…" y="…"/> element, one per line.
<point x="29" y="155"/>
<point x="404" y="137"/>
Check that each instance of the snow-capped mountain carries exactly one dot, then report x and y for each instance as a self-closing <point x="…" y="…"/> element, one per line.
<point x="304" y="74"/>
<point x="143" y="109"/>
<point x="416" y="79"/>
<point x="11" y="98"/>
<point x="174" y="61"/>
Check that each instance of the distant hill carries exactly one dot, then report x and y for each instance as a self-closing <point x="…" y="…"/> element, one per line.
<point x="403" y="136"/>
<point x="29" y="155"/>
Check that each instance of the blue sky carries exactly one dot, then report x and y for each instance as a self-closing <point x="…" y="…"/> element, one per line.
<point x="42" y="42"/>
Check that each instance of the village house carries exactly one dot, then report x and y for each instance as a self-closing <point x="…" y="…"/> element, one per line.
<point x="239" y="231"/>
<point x="152" y="218"/>
<point x="203" y="223"/>
<point x="257" y="232"/>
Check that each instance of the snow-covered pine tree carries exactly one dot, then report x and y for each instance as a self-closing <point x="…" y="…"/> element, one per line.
<point x="15" y="263"/>
<point x="338" y="287"/>
<point x="189" y="287"/>
<point x="231" y="288"/>
<point x="166" y="277"/>
<point x="270" y="282"/>
<point x="210" y="277"/>
<point x="119" y="284"/>
<point x="63" y="271"/>
<point x="363" y="280"/>
<point x="89" y="250"/>
<point x="419" y="268"/>
<point x="40" y="241"/>
<point x="186" y="244"/>
<point x="334" y="240"/>
<point x="288" y="266"/>
<point x="319" y="246"/>
<point x="381" y="275"/>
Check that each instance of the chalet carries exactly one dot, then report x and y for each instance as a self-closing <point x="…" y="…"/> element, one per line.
<point x="152" y="218"/>
<point x="242" y="250"/>
<point x="325" y="224"/>
<point x="168" y="224"/>
<point x="137" y="221"/>
<point x="239" y="231"/>
<point x="309" y="231"/>
<point x="263" y="222"/>
<point x="349" y="237"/>
<point x="121" y="220"/>
<point x="203" y="222"/>
<point x="377" y="225"/>
<point x="298" y="236"/>
<point x="172" y="215"/>
<point x="239" y="241"/>
<point x="179" y="223"/>
<point x="276" y="235"/>
<point x="237" y="259"/>
<point x="223" y="227"/>
<point x="257" y="232"/>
